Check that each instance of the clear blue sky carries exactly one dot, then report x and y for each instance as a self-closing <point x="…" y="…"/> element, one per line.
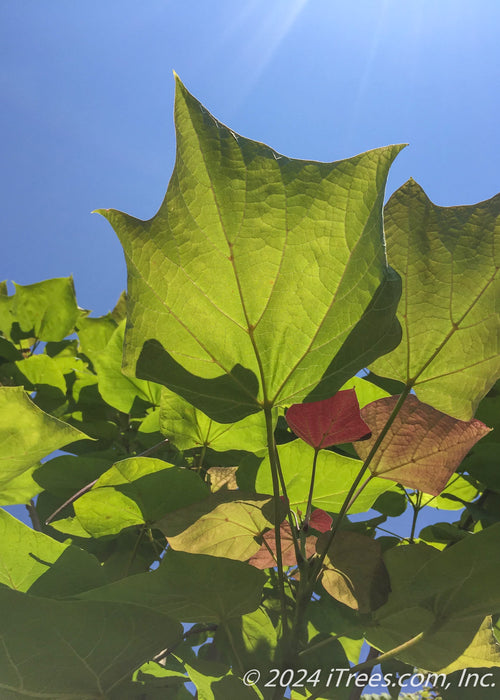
<point x="87" y="94"/>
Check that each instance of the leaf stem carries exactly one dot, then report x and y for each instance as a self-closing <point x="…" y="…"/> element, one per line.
<point x="370" y="663"/>
<point x="311" y="489"/>
<point x="353" y="490"/>
<point x="35" y="520"/>
<point x="271" y="447"/>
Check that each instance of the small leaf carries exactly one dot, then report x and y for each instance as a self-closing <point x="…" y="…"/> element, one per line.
<point x="328" y="422"/>
<point x="423" y="446"/>
<point x="320" y="521"/>
<point x="222" y="478"/>
<point x="265" y="558"/>
<point x="226" y="524"/>
<point x="354" y="572"/>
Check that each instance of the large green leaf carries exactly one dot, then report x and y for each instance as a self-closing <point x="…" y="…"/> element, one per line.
<point x="449" y="258"/>
<point x="226" y="524"/>
<point x="260" y="276"/>
<point x="190" y="588"/>
<point x="334" y="476"/>
<point x="445" y="594"/>
<point x="32" y="561"/>
<point x="137" y="491"/>
<point x="78" y="650"/>
<point x="27" y="433"/>
<point x="187" y="427"/>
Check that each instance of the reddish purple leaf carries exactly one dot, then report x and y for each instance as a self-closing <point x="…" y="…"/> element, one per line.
<point x="423" y="446"/>
<point x="265" y="558"/>
<point x="329" y="422"/>
<point x="320" y="521"/>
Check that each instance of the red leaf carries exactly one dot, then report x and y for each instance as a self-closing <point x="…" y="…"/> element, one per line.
<point x="265" y="558"/>
<point x="329" y="422"/>
<point x="320" y="521"/>
<point x="423" y="446"/>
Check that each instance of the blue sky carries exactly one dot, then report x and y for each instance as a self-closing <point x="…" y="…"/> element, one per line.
<point x="87" y="92"/>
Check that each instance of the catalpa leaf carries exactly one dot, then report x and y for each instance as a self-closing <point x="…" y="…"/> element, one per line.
<point x="482" y="652"/>
<point x="334" y="476"/>
<point x="226" y="524"/>
<point x="75" y="649"/>
<point x="328" y="422"/>
<point x="262" y="279"/>
<point x="188" y="427"/>
<point x="449" y="259"/>
<point x="27" y="433"/>
<point x="423" y="446"/>
<point x="353" y="571"/>
<point x="32" y="561"/>
<point x="115" y="388"/>
<point x="444" y="594"/>
<point x="190" y="588"/>
<point x="136" y="491"/>
<point x="48" y="309"/>
<point x="265" y="558"/>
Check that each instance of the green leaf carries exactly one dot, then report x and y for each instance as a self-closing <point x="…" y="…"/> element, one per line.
<point x="334" y="476"/>
<point x="214" y="682"/>
<point x="74" y="649"/>
<point x="21" y="489"/>
<point x="353" y="571"/>
<point x="32" y="561"/>
<point x="260" y="276"/>
<point x="444" y="594"/>
<point x="482" y="652"/>
<point x="188" y="427"/>
<point x="190" y="588"/>
<point x="250" y="641"/>
<point x="137" y="491"/>
<point x="449" y="260"/>
<point x="48" y="308"/>
<point x="116" y="389"/>
<point x="226" y="524"/>
<point x="27" y="433"/>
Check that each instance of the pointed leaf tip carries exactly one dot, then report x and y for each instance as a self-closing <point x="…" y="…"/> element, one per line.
<point x="329" y="422"/>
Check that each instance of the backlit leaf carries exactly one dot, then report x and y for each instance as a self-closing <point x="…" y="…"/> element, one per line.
<point x="47" y="308"/>
<point x="74" y="649"/>
<point x="136" y="491"/>
<point x="328" y="422"/>
<point x="483" y="652"/>
<point x="32" y="561"/>
<point x="354" y="572"/>
<point x="27" y="433"/>
<point x="449" y="259"/>
<point x="334" y="476"/>
<point x="190" y="588"/>
<point x="423" y="446"/>
<point x="260" y="276"/>
<point x="226" y="524"/>
<point x="115" y="388"/>
<point x="265" y="558"/>
<point x="187" y="427"/>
